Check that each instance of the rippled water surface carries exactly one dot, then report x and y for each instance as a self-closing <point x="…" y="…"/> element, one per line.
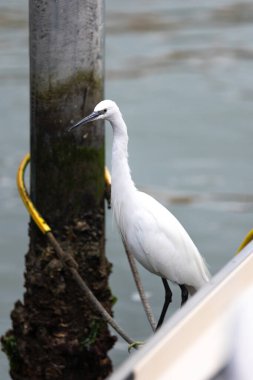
<point x="181" y="73"/>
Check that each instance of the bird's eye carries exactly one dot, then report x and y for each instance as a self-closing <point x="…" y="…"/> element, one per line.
<point x="105" y="110"/>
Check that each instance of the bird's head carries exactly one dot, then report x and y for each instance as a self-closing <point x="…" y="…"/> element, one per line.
<point x="104" y="110"/>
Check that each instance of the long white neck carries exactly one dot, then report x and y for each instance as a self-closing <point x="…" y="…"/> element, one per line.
<point x="122" y="183"/>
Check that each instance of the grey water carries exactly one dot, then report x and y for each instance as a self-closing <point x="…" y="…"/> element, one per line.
<point x="181" y="73"/>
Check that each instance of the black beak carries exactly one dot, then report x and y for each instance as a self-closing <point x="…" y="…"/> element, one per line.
<point x="93" y="116"/>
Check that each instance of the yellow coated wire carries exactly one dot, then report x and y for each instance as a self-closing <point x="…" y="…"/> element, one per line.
<point x="108" y="179"/>
<point x="246" y="240"/>
<point x="37" y="218"/>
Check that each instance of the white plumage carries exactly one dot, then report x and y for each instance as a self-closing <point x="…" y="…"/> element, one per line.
<point x="153" y="235"/>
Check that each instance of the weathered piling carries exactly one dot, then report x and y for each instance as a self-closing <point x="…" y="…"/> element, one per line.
<point x="56" y="334"/>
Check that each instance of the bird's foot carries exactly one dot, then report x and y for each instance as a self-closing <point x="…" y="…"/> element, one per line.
<point x="135" y="345"/>
<point x="184" y="294"/>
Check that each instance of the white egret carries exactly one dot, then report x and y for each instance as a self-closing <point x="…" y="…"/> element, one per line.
<point x="154" y="236"/>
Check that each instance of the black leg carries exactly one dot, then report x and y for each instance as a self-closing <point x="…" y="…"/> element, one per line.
<point x="184" y="294"/>
<point x="167" y="301"/>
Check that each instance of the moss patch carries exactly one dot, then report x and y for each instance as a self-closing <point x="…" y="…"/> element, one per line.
<point x="95" y="329"/>
<point x="54" y="91"/>
<point x="9" y="346"/>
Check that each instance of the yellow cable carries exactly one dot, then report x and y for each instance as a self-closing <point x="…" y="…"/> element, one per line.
<point x="37" y="218"/>
<point x="246" y="240"/>
<point x="108" y="179"/>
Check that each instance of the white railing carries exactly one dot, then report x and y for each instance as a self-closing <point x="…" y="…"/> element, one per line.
<point x="198" y="340"/>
